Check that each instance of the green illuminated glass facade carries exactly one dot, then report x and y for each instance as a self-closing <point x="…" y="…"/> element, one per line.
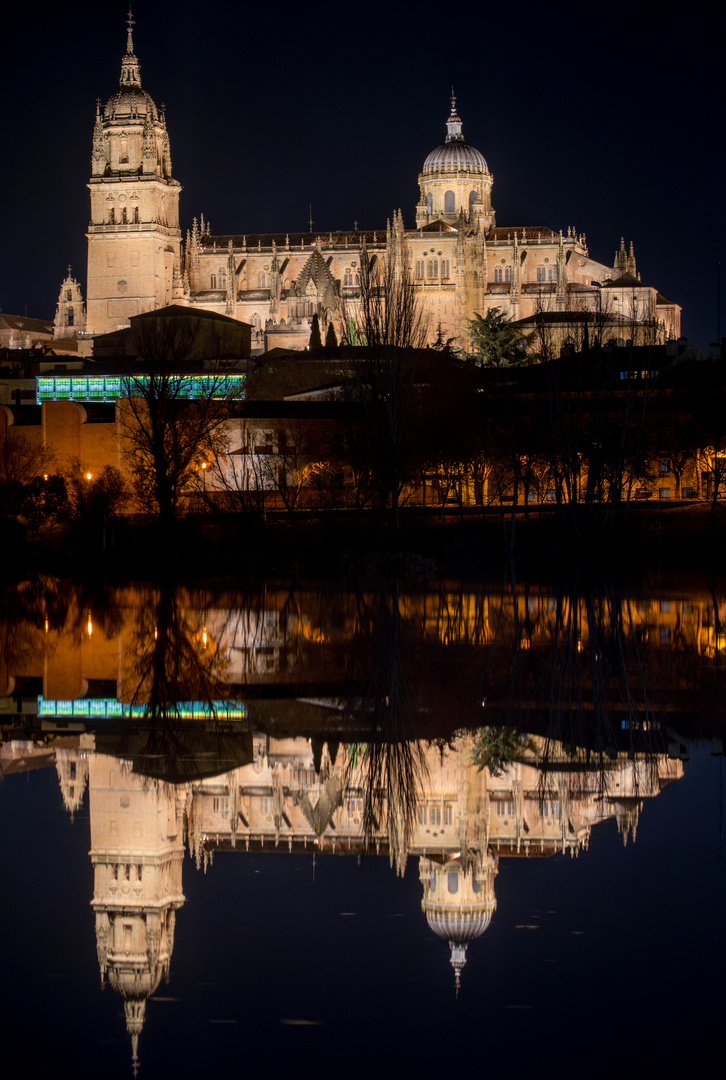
<point x="111" y="387"/>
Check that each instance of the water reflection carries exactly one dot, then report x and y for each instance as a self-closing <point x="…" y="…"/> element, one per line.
<point x="452" y="728"/>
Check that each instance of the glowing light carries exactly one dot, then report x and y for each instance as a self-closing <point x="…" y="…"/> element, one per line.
<point x="45" y="476"/>
<point x="156" y="633"/>
<point x="89" y="627"/>
<point x="46" y="624"/>
<point x="88" y="476"/>
<point x="204" y="637"/>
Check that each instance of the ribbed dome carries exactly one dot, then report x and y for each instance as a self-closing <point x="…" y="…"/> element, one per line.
<point x="454" y="155"/>
<point x="458" y="926"/>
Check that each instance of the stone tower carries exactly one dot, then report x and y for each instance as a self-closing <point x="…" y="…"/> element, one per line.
<point x="133" y="236"/>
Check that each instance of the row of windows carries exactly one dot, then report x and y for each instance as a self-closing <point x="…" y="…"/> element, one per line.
<point x="126" y="871"/>
<point x="431" y="814"/>
<point x="449" y="202"/>
<point x="433" y="268"/>
<point x="109" y="707"/>
<point x="108" y="388"/>
<point x="124" y="218"/>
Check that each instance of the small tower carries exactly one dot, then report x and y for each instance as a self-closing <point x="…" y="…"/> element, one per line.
<point x="70" y="312"/>
<point x="134" y="239"/>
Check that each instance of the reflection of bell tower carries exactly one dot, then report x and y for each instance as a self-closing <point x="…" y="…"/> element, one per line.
<point x="458" y="900"/>
<point x="137" y="852"/>
<point x="72" y="769"/>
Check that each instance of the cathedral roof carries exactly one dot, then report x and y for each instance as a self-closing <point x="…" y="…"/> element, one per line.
<point x="523" y="233"/>
<point x="454" y="155"/>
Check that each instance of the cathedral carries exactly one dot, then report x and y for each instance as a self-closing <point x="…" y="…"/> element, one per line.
<point x="460" y="260"/>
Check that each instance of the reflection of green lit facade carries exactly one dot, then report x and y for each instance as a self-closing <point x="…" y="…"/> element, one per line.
<point x="110" y="387"/>
<point x="110" y="709"/>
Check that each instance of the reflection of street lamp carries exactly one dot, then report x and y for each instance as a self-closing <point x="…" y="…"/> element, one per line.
<point x="88" y="476"/>
<point x="204" y="477"/>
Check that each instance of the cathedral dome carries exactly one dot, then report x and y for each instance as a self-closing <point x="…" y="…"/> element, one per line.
<point x="454" y="155"/>
<point x="459" y="926"/>
<point x="130" y="103"/>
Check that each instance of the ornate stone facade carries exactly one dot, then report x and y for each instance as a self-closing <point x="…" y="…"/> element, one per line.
<point x="461" y="261"/>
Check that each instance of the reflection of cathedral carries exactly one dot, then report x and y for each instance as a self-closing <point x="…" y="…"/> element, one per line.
<point x="460" y="260"/>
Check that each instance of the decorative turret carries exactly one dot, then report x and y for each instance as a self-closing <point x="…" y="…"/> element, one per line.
<point x="70" y="312"/>
<point x="455" y="177"/>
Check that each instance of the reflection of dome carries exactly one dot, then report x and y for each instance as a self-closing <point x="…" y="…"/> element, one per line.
<point x="458" y="901"/>
<point x="454" y="155"/>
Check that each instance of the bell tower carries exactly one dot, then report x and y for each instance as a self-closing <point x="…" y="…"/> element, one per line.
<point x="133" y="236"/>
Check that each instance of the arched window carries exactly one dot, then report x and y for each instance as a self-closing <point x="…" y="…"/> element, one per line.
<point x="497" y="273"/>
<point x="449" y="202"/>
<point x="69" y="317"/>
<point x="429" y="203"/>
<point x="508" y="274"/>
<point x="452" y="882"/>
<point x="123" y="216"/>
<point x="123" y="151"/>
<point x="348" y="276"/>
<point x="552" y="273"/>
<point x="433" y="268"/>
<point x="357" y="277"/>
<point x="472" y="198"/>
<point x="112" y="216"/>
<point x="222" y="277"/>
<point x="444" y="268"/>
<point x="69" y="294"/>
<point x="263" y="280"/>
<point x="212" y="281"/>
<point x="541" y="273"/>
<point x="136" y="215"/>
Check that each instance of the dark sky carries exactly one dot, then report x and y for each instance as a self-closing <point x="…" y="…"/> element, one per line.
<point x="606" y="118"/>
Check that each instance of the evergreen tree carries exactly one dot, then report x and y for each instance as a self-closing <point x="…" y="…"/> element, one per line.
<point x="331" y="342"/>
<point x="315" y="339"/>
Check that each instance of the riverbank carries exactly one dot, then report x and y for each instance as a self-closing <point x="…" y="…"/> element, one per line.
<point x="640" y="540"/>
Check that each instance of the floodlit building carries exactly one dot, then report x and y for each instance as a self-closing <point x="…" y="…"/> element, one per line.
<point x="461" y="261"/>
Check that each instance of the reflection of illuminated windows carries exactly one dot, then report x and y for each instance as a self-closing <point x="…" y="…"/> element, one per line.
<point x="422" y="815"/>
<point x="665" y="635"/>
<point x="435" y="814"/>
<point x="265" y="805"/>
<point x="505" y="807"/>
<point x="220" y="805"/>
<point x="452" y="882"/>
<point x="448" y="814"/>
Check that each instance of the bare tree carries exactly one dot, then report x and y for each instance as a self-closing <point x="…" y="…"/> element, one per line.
<point x="169" y="426"/>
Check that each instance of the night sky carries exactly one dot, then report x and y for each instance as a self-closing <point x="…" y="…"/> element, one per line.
<point x="607" y="118"/>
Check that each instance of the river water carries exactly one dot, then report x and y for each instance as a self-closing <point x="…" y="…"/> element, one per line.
<point x="369" y="829"/>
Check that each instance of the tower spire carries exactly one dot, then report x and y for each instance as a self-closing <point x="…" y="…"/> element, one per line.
<point x="453" y="124"/>
<point x="130" y="71"/>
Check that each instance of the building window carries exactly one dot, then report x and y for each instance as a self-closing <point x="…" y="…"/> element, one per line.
<point x="263" y="280"/>
<point x="552" y="273"/>
<point x="444" y="268"/>
<point x="433" y="268"/>
<point x="419" y="268"/>
<point x="69" y="317"/>
<point x="348" y="277"/>
<point x="497" y="273"/>
<point x="212" y="281"/>
<point x="476" y="280"/>
<point x="123" y="154"/>
<point x="452" y="882"/>
<point x="429" y="203"/>
<point x="472" y="199"/>
<point x="136" y="215"/>
<point x="422" y="815"/>
<point x="123" y="216"/>
<point x="508" y="274"/>
<point x="448" y="814"/>
<point x="541" y="276"/>
<point x="449" y="202"/>
<point x="222" y="276"/>
<point x="112" y="216"/>
<point x="435" y="814"/>
<point x="664" y="493"/>
<point x="69" y="294"/>
<point x="664" y="465"/>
